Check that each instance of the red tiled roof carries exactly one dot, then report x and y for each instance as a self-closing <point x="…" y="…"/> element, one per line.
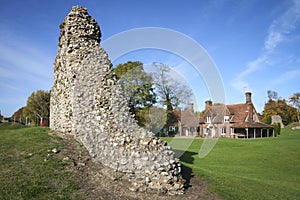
<point x="238" y="115"/>
<point x="216" y="112"/>
<point x="187" y="118"/>
<point x="238" y="112"/>
<point x="251" y="125"/>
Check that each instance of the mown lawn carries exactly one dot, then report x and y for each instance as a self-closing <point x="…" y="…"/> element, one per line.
<point x="267" y="168"/>
<point x="24" y="172"/>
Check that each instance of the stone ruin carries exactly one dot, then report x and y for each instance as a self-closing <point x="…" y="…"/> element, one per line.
<point x="277" y="119"/>
<point x="88" y="103"/>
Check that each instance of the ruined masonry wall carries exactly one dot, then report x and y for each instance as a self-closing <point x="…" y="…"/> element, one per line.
<point x="87" y="102"/>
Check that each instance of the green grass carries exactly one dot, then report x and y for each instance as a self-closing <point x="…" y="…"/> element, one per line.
<point x="267" y="168"/>
<point x="23" y="172"/>
<point x="10" y="126"/>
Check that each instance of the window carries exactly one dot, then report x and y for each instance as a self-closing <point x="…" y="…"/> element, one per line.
<point x="232" y="131"/>
<point x="206" y="131"/>
<point x="208" y="119"/>
<point x="172" y="128"/>
<point x="226" y="118"/>
<point x="223" y="131"/>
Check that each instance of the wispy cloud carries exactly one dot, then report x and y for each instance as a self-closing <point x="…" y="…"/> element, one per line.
<point x="24" y="68"/>
<point x="287" y="76"/>
<point x="23" y="60"/>
<point x="278" y="33"/>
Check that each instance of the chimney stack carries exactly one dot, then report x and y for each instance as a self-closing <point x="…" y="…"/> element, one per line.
<point x="249" y="107"/>
<point x="207" y="104"/>
<point x="248" y="97"/>
<point x="191" y="107"/>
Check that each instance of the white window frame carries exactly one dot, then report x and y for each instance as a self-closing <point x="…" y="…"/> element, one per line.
<point x="232" y="131"/>
<point x="208" y="119"/>
<point x="226" y="118"/>
<point x="223" y="131"/>
<point x="172" y="128"/>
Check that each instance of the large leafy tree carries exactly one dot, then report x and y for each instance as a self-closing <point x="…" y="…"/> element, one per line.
<point x="18" y="116"/>
<point x="272" y="94"/>
<point x="38" y="106"/>
<point x="138" y="86"/>
<point x="278" y="106"/>
<point x="295" y="101"/>
<point x="171" y="92"/>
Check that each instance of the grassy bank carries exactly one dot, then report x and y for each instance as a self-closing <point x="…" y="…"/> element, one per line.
<point x="10" y="126"/>
<point x="267" y="168"/>
<point x="25" y="174"/>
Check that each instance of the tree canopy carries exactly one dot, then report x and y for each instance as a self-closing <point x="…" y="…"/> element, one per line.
<point x="138" y="85"/>
<point x="18" y="116"/>
<point x="278" y="106"/>
<point x="38" y="106"/>
<point x="295" y="101"/>
<point x="171" y="93"/>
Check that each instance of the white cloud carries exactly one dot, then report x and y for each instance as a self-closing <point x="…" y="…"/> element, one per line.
<point x="240" y="85"/>
<point x="279" y="32"/>
<point x="287" y="76"/>
<point x="23" y="63"/>
<point x="24" y="67"/>
<point x="253" y="66"/>
<point x="273" y="39"/>
<point x="25" y="58"/>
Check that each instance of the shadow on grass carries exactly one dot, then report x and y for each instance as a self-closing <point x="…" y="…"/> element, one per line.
<point x="187" y="172"/>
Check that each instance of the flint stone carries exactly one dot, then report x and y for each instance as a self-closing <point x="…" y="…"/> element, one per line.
<point x="87" y="102"/>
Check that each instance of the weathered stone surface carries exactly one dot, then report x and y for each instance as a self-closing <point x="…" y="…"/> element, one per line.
<point x="88" y="102"/>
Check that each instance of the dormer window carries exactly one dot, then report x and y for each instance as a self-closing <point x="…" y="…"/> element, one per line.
<point x="208" y="119"/>
<point x="226" y="118"/>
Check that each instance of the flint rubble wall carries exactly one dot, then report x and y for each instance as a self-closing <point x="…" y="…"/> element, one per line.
<point x="87" y="102"/>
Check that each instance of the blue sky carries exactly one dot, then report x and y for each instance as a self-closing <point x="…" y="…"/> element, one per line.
<point x="254" y="44"/>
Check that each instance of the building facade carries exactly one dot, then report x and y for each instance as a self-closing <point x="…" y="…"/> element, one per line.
<point x="233" y="121"/>
<point x="185" y="122"/>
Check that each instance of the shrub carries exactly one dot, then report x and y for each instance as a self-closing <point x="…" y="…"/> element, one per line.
<point x="268" y="120"/>
<point x="277" y="129"/>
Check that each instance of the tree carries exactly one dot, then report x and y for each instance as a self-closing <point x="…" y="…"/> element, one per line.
<point x="272" y="94"/>
<point x="18" y="116"/>
<point x="1" y="117"/>
<point x="295" y="101"/>
<point x="171" y="93"/>
<point x="276" y="129"/>
<point x="279" y="107"/>
<point x="38" y="106"/>
<point x="158" y="119"/>
<point x="138" y="85"/>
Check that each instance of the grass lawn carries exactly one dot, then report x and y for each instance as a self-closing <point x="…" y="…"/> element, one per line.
<point x="23" y="172"/>
<point x="267" y="168"/>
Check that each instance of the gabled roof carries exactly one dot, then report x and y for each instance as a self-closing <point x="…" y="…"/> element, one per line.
<point x="216" y="112"/>
<point x="186" y="118"/>
<point x="238" y="112"/>
<point x="238" y="115"/>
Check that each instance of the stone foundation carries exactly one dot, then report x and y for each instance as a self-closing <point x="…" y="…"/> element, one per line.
<point x="87" y="102"/>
